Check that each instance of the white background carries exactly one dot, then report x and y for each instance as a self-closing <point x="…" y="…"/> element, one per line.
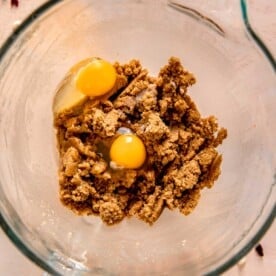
<point x="263" y="18"/>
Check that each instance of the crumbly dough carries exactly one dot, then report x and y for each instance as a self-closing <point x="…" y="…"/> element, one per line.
<point x="181" y="147"/>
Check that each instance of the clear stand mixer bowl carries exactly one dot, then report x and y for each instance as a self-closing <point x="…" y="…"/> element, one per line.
<point x="235" y="82"/>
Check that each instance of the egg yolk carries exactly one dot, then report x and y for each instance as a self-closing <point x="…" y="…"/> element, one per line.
<point x="128" y="151"/>
<point x="96" y="78"/>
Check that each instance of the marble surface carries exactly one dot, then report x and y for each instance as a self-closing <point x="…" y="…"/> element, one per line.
<point x="263" y="18"/>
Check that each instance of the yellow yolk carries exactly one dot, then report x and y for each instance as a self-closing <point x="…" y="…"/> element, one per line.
<point x="96" y="78"/>
<point x="128" y="151"/>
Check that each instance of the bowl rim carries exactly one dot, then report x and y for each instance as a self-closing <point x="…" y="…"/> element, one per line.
<point x="27" y="251"/>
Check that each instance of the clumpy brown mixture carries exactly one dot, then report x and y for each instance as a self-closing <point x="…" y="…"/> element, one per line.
<point x="181" y="147"/>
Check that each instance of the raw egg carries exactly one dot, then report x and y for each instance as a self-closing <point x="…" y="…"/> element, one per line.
<point x="96" y="78"/>
<point x="91" y="77"/>
<point x="128" y="151"/>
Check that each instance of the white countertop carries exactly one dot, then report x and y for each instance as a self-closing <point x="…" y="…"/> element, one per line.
<point x="263" y="18"/>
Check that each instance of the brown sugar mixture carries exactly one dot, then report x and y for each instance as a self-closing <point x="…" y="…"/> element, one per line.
<point x="180" y="145"/>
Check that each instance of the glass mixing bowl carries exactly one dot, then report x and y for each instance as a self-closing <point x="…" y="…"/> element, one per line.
<point x="236" y="82"/>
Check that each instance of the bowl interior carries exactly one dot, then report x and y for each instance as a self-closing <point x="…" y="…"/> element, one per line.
<point x="234" y="82"/>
